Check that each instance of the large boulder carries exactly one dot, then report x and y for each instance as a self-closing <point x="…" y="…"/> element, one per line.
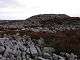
<point x="2" y="49"/>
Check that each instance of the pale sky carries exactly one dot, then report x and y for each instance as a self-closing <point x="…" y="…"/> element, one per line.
<point x="22" y="9"/>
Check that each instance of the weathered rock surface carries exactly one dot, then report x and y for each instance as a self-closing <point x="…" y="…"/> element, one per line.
<point x="29" y="50"/>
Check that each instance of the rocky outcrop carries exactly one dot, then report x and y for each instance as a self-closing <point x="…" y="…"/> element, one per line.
<point x="29" y="50"/>
<point x="58" y="30"/>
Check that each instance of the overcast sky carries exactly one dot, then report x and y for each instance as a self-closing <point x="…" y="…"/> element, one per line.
<point x="22" y="9"/>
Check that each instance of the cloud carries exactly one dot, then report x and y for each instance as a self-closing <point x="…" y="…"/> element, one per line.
<point x="22" y="9"/>
<point x="6" y="3"/>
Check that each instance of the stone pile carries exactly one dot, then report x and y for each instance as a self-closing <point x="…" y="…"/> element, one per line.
<point x="30" y="49"/>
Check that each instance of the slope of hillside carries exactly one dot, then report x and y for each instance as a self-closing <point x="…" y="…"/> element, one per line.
<point x="59" y="30"/>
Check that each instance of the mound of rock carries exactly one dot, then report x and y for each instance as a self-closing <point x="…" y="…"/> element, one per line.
<point x="11" y="49"/>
